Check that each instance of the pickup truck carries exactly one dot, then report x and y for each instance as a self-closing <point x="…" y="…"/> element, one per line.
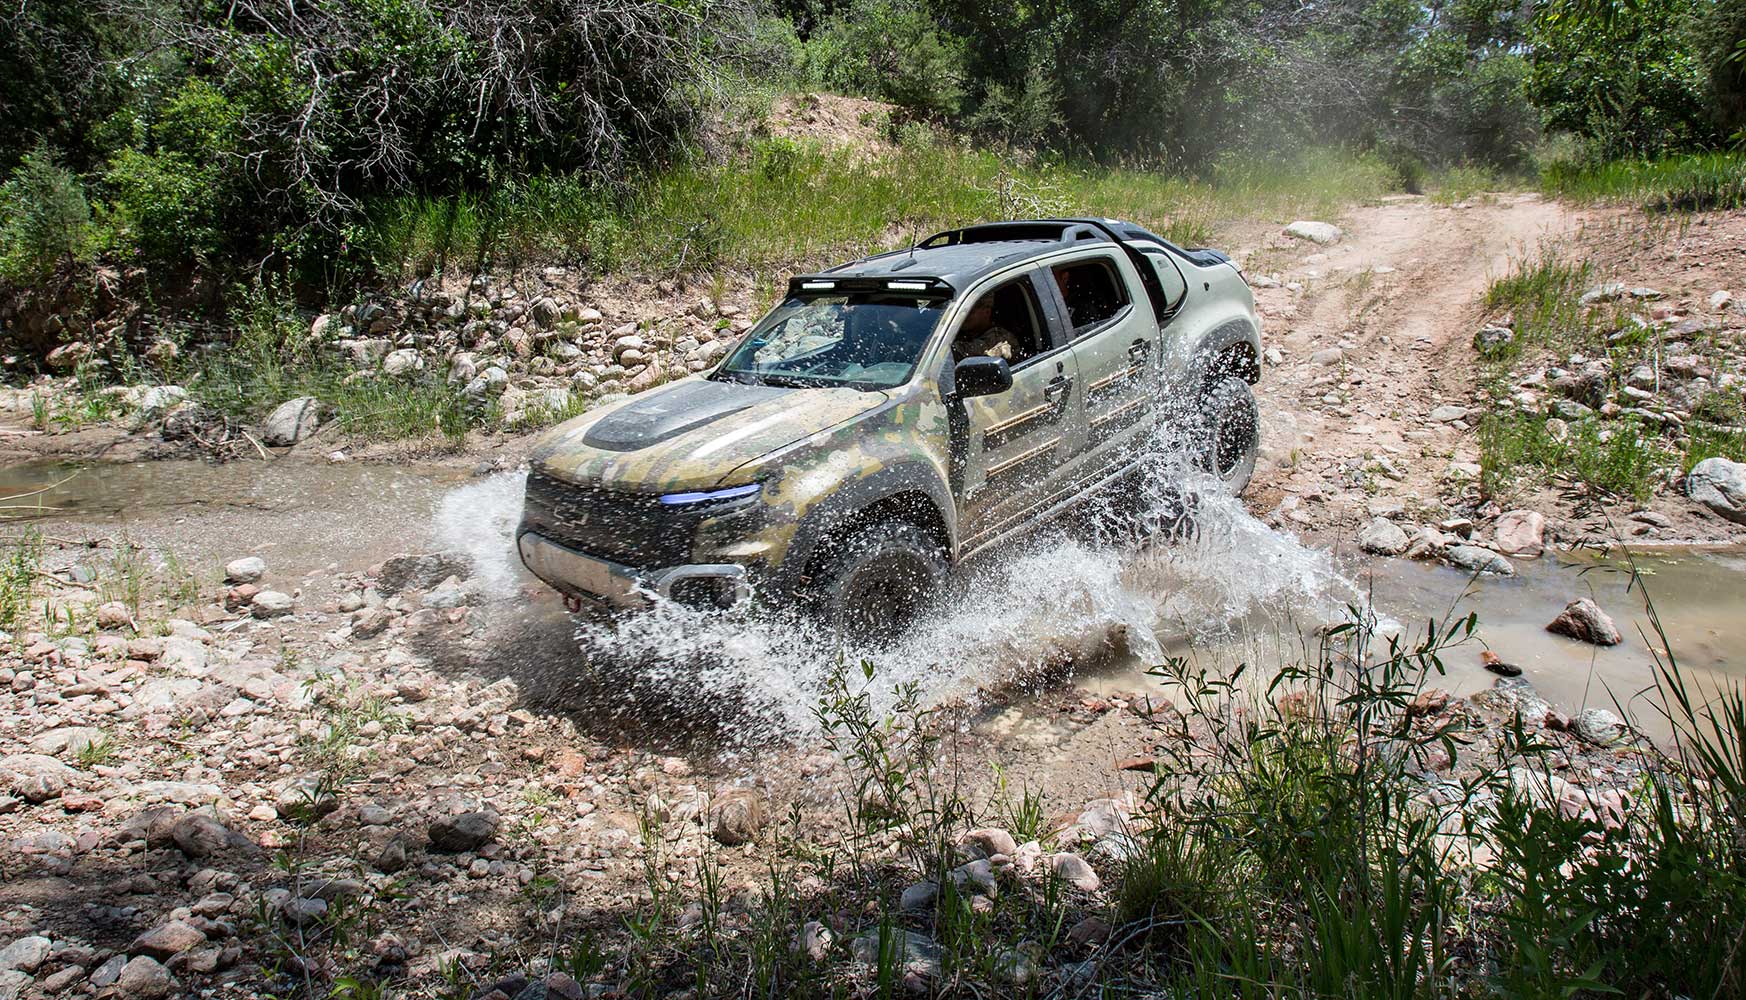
<point x="895" y="415"/>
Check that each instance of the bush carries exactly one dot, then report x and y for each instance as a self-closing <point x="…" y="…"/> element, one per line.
<point x="45" y="222"/>
<point x="891" y="49"/>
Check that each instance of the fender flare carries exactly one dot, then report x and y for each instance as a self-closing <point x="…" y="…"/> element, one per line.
<point x="856" y="496"/>
<point x="1216" y="343"/>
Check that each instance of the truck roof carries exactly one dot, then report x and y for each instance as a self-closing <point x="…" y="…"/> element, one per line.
<point x="954" y="259"/>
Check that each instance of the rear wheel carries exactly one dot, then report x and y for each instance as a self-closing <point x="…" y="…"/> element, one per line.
<point x="1229" y="433"/>
<point x="874" y="585"/>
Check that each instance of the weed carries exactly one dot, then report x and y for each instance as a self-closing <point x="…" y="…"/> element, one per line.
<point x="98" y="751"/>
<point x="1699" y="182"/>
<point x="1625" y="458"/>
<point x="18" y="570"/>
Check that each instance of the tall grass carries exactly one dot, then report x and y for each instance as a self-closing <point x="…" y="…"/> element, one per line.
<point x="1624" y="459"/>
<point x="1692" y="183"/>
<point x="786" y="203"/>
<point x="1543" y="297"/>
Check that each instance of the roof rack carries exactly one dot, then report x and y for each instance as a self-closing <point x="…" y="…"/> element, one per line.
<point x="1040" y="231"/>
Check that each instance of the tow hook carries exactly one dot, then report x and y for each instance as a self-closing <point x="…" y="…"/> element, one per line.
<point x="573" y="604"/>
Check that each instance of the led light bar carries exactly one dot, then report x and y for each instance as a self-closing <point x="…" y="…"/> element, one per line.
<point x="818" y="286"/>
<point x="907" y="286"/>
<point x="731" y="493"/>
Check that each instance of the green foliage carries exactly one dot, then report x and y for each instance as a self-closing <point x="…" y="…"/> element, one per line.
<point x="45" y="222"/>
<point x="1624" y="458"/>
<point x="18" y="569"/>
<point x="1689" y="183"/>
<point x="1623" y="77"/>
<point x="890" y="49"/>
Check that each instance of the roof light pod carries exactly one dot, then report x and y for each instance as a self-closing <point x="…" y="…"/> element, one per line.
<point x="818" y="286"/>
<point x="908" y="286"/>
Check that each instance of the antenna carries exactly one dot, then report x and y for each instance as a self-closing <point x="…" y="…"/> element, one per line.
<point x="914" y="234"/>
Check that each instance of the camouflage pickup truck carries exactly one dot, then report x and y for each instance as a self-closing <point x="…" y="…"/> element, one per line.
<point x="896" y="415"/>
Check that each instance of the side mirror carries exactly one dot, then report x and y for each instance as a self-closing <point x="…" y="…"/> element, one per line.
<point x="981" y="377"/>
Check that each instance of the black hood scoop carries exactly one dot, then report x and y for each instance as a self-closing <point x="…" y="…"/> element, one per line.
<point x="656" y="416"/>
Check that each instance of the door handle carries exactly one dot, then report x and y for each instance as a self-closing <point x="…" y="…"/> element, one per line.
<point x="1139" y="349"/>
<point x="1057" y="387"/>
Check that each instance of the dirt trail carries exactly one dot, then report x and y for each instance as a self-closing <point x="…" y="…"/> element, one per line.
<point x="1376" y="331"/>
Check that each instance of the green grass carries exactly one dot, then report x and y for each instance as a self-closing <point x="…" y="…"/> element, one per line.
<point x="787" y="203"/>
<point x="1717" y="430"/>
<point x="1542" y="297"/>
<point x="1625" y="458"/>
<point x="1463" y="182"/>
<point x="1692" y="183"/>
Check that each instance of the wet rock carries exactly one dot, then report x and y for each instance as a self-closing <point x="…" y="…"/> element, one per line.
<point x="26" y="954"/>
<point x="1320" y="233"/>
<point x="1583" y="620"/>
<point x="291" y="422"/>
<point x="421" y="572"/>
<point x="1520" y="533"/>
<point x="270" y="604"/>
<point x="144" y="978"/>
<point x="248" y="569"/>
<point x="989" y="840"/>
<point x="201" y="835"/>
<point x="1599" y="727"/>
<point x="36" y="777"/>
<point x="1720" y="485"/>
<point x="466" y="832"/>
<point x="1075" y="870"/>
<point x="1478" y="560"/>
<point x="919" y="897"/>
<point x="1383" y="537"/>
<point x="167" y="940"/>
<point x="1496" y="665"/>
<point x="736" y="816"/>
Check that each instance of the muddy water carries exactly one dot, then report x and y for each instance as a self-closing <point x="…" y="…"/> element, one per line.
<point x="1068" y="605"/>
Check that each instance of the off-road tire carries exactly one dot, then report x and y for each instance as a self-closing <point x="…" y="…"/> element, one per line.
<point x="1228" y="433"/>
<point x="873" y="585"/>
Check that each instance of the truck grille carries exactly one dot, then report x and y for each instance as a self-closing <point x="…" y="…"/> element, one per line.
<point x="632" y="529"/>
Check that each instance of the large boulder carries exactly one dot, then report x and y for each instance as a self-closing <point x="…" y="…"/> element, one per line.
<point x="1478" y="560"/>
<point x="291" y="422"/>
<point x="1322" y="233"/>
<point x="1521" y="533"/>
<point x="1582" y="619"/>
<point x="1720" y="485"/>
<point x="1383" y="537"/>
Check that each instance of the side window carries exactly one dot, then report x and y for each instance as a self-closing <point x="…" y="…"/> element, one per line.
<point x="1169" y="278"/>
<point x="1092" y="291"/>
<point x="1005" y="322"/>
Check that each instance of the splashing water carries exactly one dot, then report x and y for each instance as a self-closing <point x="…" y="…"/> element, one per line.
<point x="1059" y="597"/>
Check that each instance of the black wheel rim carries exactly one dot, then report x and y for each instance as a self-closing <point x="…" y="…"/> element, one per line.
<point x="1234" y="436"/>
<point x="882" y="597"/>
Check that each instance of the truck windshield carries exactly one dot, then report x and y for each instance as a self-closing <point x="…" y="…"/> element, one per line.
<point x="870" y="340"/>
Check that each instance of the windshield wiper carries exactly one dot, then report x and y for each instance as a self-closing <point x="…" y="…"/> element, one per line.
<point x="797" y="381"/>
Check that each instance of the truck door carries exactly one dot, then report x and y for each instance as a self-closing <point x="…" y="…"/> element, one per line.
<point x="1115" y="343"/>
<point x="1014" y="442"/>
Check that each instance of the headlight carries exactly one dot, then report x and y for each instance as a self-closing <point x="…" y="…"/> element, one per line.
<point x="715" y="501"/>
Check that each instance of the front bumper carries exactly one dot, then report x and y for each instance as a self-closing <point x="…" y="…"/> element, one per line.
<point x="579" y="575"/>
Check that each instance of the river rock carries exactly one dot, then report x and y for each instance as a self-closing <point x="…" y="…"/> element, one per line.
<point x="421" y="572"/>
<point x="1321" y="233"/>
<point x="36" y="777"/>
<point x="291" y="422"/>
<point x="1478" y="560"/>
<point x="26" y="953"/>
<point x="988" y="841"/>
<point x="1720" y="485"/>
<point x="248" y="569"/>
<point x="270" y="604"/>
<point x="1383" y="537"/>
<point x="466" y="832"/>
<point x="736" y="816"/>
<point x="1520" y="533"/>
<point x="201" y="835"/>
<point x="1075" y="870"/>
<point x="1599" y="727"/>
<point x="1582" y="619"/>
<point x="167" y="940"/>
<point x="144" y="978"/>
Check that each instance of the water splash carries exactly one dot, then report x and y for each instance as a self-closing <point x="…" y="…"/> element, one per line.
<point x="479" y="519"/>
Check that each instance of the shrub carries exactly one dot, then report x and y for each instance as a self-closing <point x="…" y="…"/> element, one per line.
<point x="45" y="222"/>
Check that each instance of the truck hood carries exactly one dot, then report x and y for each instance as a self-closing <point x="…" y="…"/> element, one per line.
<point x="690" y="434"/>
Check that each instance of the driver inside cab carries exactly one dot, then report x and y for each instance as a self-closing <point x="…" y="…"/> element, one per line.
<point x="980" y="336"/>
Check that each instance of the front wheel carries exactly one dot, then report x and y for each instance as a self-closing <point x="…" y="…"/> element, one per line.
<point x="875" y="584"/>
<point x="1229" y="433"/>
